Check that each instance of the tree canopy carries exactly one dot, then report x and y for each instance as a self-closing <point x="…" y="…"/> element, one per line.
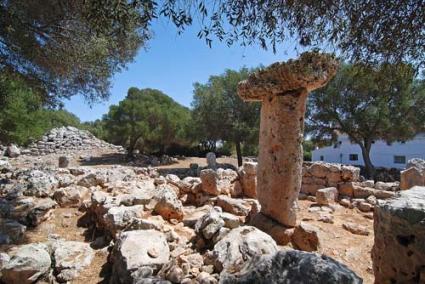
<point x="73" y="47"/>
<point x="23" y="118"/>
<point x="70" y="47"/>
<point x="369" y="103"/>
<point x="220" y="115"/>
<point x="147" y="120"/>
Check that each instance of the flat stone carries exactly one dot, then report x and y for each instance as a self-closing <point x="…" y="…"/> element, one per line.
<point x="71" y="258"/>
<point x="135" y="249"/>
<point x="239" y="245"/>
<point x="356" y="229"/>
<point x="28" y="264"/>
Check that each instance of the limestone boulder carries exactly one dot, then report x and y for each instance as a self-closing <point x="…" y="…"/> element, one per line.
<point x="192" y="214"/>
<point x="362" y="192"/>
<point x="356" y="229"/>
<point x="71" y="196"/>
<point x="239" y="207"/>
<point x="28" y="264"/>
<point x="306" y="237"/>
<point x="120" y="217"/>
<point x="5" y="166"/>
<point x="326" y="196"/>
<point x="248" y="178"/>
<point x="209" y="224"/>
<point x="40" y="183"/>
<point x="411" y="177"/>
<point x="63" y="161"/>
<point x="168" y="205"/>
<point x="209" y="179"/>
<point x="13" y="151"/>
<point x="398" y="252"/>
<point x="11" y="231"/>
<point x="71" y="258"/>
<point x="136" y="249"/>
<point x="281" y="234"/>
<point x="240" y="245"/>
<point x="42" y="210"/>
<point x="292" y="267"/>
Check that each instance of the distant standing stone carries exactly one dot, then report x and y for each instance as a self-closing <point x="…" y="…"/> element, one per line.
<point x="63" y="162"/>
<point x="13" y="151"/>
<point x="211" y="160"/>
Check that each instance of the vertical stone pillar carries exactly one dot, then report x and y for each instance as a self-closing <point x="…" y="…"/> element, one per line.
<point x="398" y="251"/>
<point x="283" y="89"/>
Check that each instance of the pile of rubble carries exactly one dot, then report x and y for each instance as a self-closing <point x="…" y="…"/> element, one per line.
<point x="191" y="230"/>
<point x="67" y="139"/>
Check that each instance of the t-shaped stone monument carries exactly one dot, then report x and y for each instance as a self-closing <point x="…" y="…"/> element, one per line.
<point x="283" y="89"/>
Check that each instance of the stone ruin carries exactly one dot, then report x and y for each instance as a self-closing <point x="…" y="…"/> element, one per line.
<point x="68" y="139"/>
<point x="155" y="228"/>
<point x="399" y="251"/>
<point x="413" y="175"/>
<point x="282" y="89"/>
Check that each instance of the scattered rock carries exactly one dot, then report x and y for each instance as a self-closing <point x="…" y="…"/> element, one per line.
<point x="134" y="249"/>
<point x="209" y="224"/>
<point x="235" y="206"/>
<point x="292" y="267"/>
<point x="326" y="196"/>
<point x="63" y="162"/>
<point x="306" y="237"/>
<point x="11" y="231"/>
<point x="27" y="265"/>
<point x="209" y="181"/>
<point x="168" y="205"/>
<point x="355" y="229"/>
<point x="71" y="258"/>
<point x="398" y="252"/>
<point x="239" y="245"/>
<point x="13" y="151"/>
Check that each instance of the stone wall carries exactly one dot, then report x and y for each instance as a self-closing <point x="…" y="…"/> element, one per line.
<point x="413" y="175"/>
<point x="319" y="175"/>
<point x="398" y="253"/>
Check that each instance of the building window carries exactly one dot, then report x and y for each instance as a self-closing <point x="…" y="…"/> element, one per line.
<point x="354" y="157"/>
<point x="399" y="159"/>
<point x="322" y="158"/>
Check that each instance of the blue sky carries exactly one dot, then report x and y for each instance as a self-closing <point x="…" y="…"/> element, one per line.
<point x="172" y="63"/>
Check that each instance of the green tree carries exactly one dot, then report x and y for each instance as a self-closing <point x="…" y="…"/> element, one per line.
<point x="148" y="120"/>
<point x="22" y="116"/>
<point x="219" y="113"/>
<point x="369" y="103"/>
<point x="65" y="48"/>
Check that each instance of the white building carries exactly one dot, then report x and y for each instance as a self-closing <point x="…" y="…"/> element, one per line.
<point x="394" y="155"/>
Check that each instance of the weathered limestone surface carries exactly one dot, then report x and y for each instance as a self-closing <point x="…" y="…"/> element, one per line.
<point x="293" y="267"/>
<point x="399" y="252"/>
<point x="283" y="89"/>
<point x="413" y="175"/>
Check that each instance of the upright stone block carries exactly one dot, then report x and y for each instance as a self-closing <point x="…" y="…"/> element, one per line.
<point x="283" y="89"/>
<point x="398" y="252"/>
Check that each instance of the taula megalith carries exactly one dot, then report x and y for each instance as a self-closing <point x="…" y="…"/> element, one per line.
<point x="283" y="89"/>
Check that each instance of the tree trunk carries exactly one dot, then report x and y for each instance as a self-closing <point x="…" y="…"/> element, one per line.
<point x="369" y="168"/>
<point x="239" y="153"/>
